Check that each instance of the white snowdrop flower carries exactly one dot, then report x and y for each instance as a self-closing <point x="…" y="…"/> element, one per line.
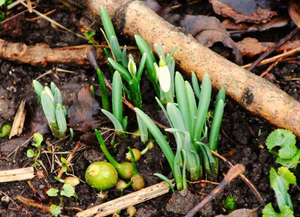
<point x="164" y="78"/>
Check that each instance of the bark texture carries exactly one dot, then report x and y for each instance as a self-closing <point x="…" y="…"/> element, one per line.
<point x="252" y="92"/>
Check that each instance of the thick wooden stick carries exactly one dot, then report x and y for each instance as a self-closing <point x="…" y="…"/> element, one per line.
<point x="255" y="94"/>
<point x="120" y="203"/>
<point x="42" y="54"/>
<point x="16" y="174"/>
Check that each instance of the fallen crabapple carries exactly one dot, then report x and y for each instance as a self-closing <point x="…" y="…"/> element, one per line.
<point x="101" y="175"/>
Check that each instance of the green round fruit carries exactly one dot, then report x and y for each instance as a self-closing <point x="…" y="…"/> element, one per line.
<point x="101" y="175"/>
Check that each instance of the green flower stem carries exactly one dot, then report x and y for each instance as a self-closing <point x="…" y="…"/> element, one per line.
<point x="133" y="162"/>
<point x="105" y="150"/>
<point x="104" y="95"/>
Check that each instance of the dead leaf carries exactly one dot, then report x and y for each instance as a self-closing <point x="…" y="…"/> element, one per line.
<point x="208" y="31"/>
<point x="246" y="7"/>
<point x="19" y="120"/>
<point x="260" y="16"/>
<point x="81" y="113"/>
<point x="276" y="22"/>
<point x="294" y="11"/>
<point x="250" y="46"/>
<point x="241" y="213"/>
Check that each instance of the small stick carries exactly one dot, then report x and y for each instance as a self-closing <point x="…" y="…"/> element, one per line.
<point x="60" y="173"/>
<point x="274" y="58"/>
<point x="233" y="172"/>
<point x="126" y="201"/>
<point x="16" y="174"/>
<point x="31" y="203"/>
<point x="280" y="43"/>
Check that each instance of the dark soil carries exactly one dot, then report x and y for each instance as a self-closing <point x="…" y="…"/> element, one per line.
<point x="242" y="139"/>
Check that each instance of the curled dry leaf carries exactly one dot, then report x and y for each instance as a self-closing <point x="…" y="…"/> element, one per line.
<point x="250" y="46"/>
<point x="294" y="11"/>
<point x="246" y="27"/>
<point x="246" y="7"/>
<point x="81" y="112"/>
<point x="260" y="16"/>
<point x="208" y="31"/>
<point x="241" y="213"/>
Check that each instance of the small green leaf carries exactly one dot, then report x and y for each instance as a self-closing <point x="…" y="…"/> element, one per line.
<point x="38" y="88"/>
<point x="52" y="192"/>
<point x="68" y="190"/>
<point x="63" y="160"/>
<point x="286" y="140"/>
<point x="38" y="140"/>
<point x="290" y="163"/>
<point x="55" y="210"/>
<point x="36" y="164"/>
<point x="269" y="211"/>
<point x="30" y="153"/>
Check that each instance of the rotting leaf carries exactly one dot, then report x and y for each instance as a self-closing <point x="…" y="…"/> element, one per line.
<point x="260" y="16"/>
<point x="81" y="112"/>
<point x="208" y="31"/>
<point x="246" y="7"/>
<point x="294" y="11"/>
<point x="241" y="213"/>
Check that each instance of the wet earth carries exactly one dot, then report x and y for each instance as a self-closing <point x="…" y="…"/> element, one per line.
<point x="242" y="138"/>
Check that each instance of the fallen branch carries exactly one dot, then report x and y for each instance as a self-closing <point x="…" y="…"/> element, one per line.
<point x="42" y="54"/>
<point x="16" y="174"/>
<point x="126" y="201"/>
<point x="252" y="92"/>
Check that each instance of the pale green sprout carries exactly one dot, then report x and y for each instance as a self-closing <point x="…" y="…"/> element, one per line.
<point x="119" y="121"/>
<point x="55" y="112"/>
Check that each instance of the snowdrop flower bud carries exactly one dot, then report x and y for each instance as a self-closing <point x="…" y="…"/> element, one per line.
<point x="131" y="67"/>
<point x="164" y="76"/>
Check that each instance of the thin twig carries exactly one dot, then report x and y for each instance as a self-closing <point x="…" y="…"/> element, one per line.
<point x="280" y="43"/>
<point x="60" y="173"/>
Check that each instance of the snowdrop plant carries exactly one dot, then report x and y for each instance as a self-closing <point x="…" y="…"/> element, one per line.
<point x="188" y="124"/>
<point x="160" y="74"/>
<point x="55" y="112"/>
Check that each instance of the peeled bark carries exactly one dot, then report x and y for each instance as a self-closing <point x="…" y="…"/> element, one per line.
<point x="257" y="95"/>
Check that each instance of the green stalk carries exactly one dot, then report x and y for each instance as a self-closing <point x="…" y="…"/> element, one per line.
<point x="121" y="69"/>
<point x="133" y="162"/>
<point x="117" y="103"/>
<point x="203" y="105"/>
<point x="105" y="150"/>
<point x="215" y="126"/>
<point x="104" y="94"/>
<point x="150" y="60"/>
<point x="158" y="136"/>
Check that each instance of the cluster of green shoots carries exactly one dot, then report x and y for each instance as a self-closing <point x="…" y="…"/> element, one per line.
<point x="188" y="125"/>
<point x="35" y="154"/>
<point x="55" y="112"/>
<point x="186" y="106"/>
<point x="288" y="156"/>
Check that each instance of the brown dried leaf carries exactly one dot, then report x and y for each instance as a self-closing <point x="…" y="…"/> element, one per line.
<point x="274" y="23"/>
<point x="294" y="11"/>
<point x="81" y="113"/>
<point x="260" y="16"/>
<point x="241" y="213"/>
<point x="246" y="7"/>
<point x="208" y="31"/>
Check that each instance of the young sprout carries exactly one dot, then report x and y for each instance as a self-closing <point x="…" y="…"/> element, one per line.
<point x="104" y="95"/>
<point x="124" y="169"/>
<point x="136" y="153"/>
<point x="138" y="181"/>
<point x="35" y="155"/>
<point x="116" y="117"/>
<point x="5" y="129"/>
<point x="55" y="112"/>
